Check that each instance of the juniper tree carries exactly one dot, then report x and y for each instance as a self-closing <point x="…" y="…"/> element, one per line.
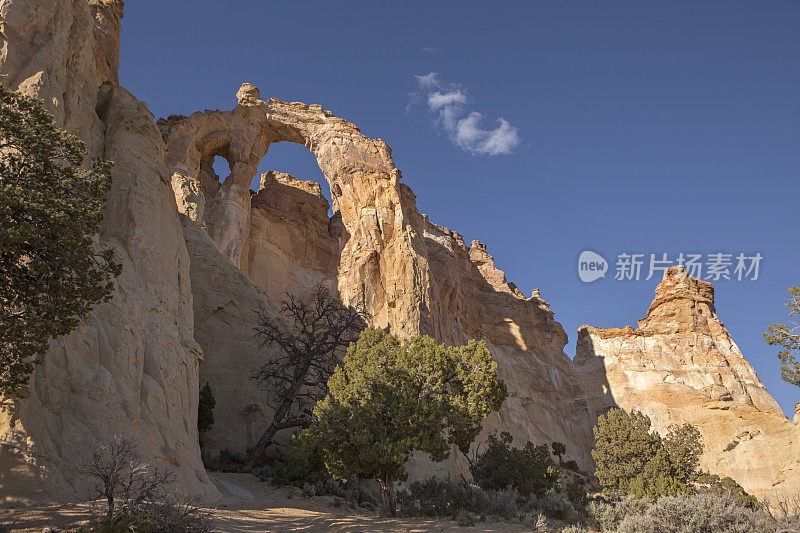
<point x="633" y="460"/>
<point x="51" y="271"/>
<point x="559" y="449"/>
<point x="389" y="399"/>
<point x="787" y="338"/>
<point x="205" y="408"/>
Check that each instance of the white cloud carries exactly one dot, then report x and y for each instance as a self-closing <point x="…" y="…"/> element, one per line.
<point x="469" y="136"/>
<point x="429" y="49"/>
<point x="448" y="102"/>
<point x="438" y="99"/>
<point x="429" y="80"/>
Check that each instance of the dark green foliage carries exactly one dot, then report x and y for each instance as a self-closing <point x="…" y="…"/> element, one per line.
<point x="466" y="519"/>
<point x="300" y="463"/>
<point x="559" y="449"/>
<point x="572" y="464"/>
<point x="205" y="409"/>
<point x="51" y="274"/>
<point x="787" y="338"/>
<point x="529" y="470"/>
<point x="576" y="493"/>
<point x="388" y="399"/>
<point x="227" y="460"/>
<point x="660" y="477"/>
<point x="727" y="486"/>
<point x="445" y="497"/>
<point x="633" y="460"/>
<point x="623" y="446"/>
<point x="556" y="506"/>
<point x="684" y="444"/>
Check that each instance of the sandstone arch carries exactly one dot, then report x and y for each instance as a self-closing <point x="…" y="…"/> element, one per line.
<point x="412" y="275"/>
<point x="378" y="266"/>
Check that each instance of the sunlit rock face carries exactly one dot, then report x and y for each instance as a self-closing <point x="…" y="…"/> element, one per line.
<point x="376" y="250"/>
<point x="681" y="366"/>
<point x="205" y="261"/>
<point x="132" y="367"/>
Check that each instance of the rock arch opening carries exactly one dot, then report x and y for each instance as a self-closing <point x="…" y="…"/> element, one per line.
<point x="221" y="168"/>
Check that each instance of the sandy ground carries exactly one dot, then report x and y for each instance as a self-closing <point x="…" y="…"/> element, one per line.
<point x="249" y="505"/>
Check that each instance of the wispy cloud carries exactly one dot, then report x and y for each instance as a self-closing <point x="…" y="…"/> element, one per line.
<point x="439" y="99"/>
<point x="429" y="49"/>
<point x="428" y="81"/>
<point x="448" y="102"/>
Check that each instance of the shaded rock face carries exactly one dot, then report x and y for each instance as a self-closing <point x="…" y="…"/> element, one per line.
<point x="132" y="367"/>
<point x="292" y="245"/>
<point x="681" y="366"/>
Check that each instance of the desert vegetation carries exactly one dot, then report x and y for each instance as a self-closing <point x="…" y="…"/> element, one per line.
<point x="137" y="494"/>
<point x="389" y="399"/>
<point x="787" y="338"/>
<point x="309" y="335"/>
<point x="51" y="207"/>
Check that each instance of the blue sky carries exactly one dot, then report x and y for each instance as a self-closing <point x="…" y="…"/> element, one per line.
<point x="636" y="127"/>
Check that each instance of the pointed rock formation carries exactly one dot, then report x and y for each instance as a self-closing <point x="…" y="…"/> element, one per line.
<point x="681" y="366"/>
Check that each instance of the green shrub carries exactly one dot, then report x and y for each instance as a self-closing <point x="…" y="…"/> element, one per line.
<point x="572" y="464"/>
<point x="529" y="470"/>
<point x="607" y="516"/>
<point x="556" y="506"/>
<point x="227" y="460"/>
<point x="559" y="449"/>
<point x="465" y="518"/>
<point x="603" y="515"/>
<point x="444" y="497"/>
<point x="576" y="493"/>
<point x="302" y="466"/>
<point x="633" y="460"/>
<point x="299" y="463"/>
<point x="714" y="484"/>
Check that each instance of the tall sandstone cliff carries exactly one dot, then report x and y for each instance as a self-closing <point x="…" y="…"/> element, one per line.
<point x="205" y="259"/>
<point x="132" y="367"/>
<point x="681" y="366"/>
<point x="376" y="250"/>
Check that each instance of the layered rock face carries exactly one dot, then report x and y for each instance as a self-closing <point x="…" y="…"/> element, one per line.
<point x="377" y="250"/>
<point x="681" y="366"/>
<point x="199" y="277"/>
<point x="132" y="367"/>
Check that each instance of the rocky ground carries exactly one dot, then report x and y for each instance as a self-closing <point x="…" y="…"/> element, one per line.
<point x="249" y="505"/>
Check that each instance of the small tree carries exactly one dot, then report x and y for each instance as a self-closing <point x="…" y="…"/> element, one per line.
<point x="633" y="460"/>
<point x="684" y="444"/>
<point x="559" y="449"/>
<point x="787" y="338"/>
<point x="389" y="399"/>
<point x="51" y="271"/>
<point x="623" y="446"/>
<point x="205" y="409"/>
<point x="319" y="328"/>
<point x="119" y="475"/>
<point x="530" y="470"/>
